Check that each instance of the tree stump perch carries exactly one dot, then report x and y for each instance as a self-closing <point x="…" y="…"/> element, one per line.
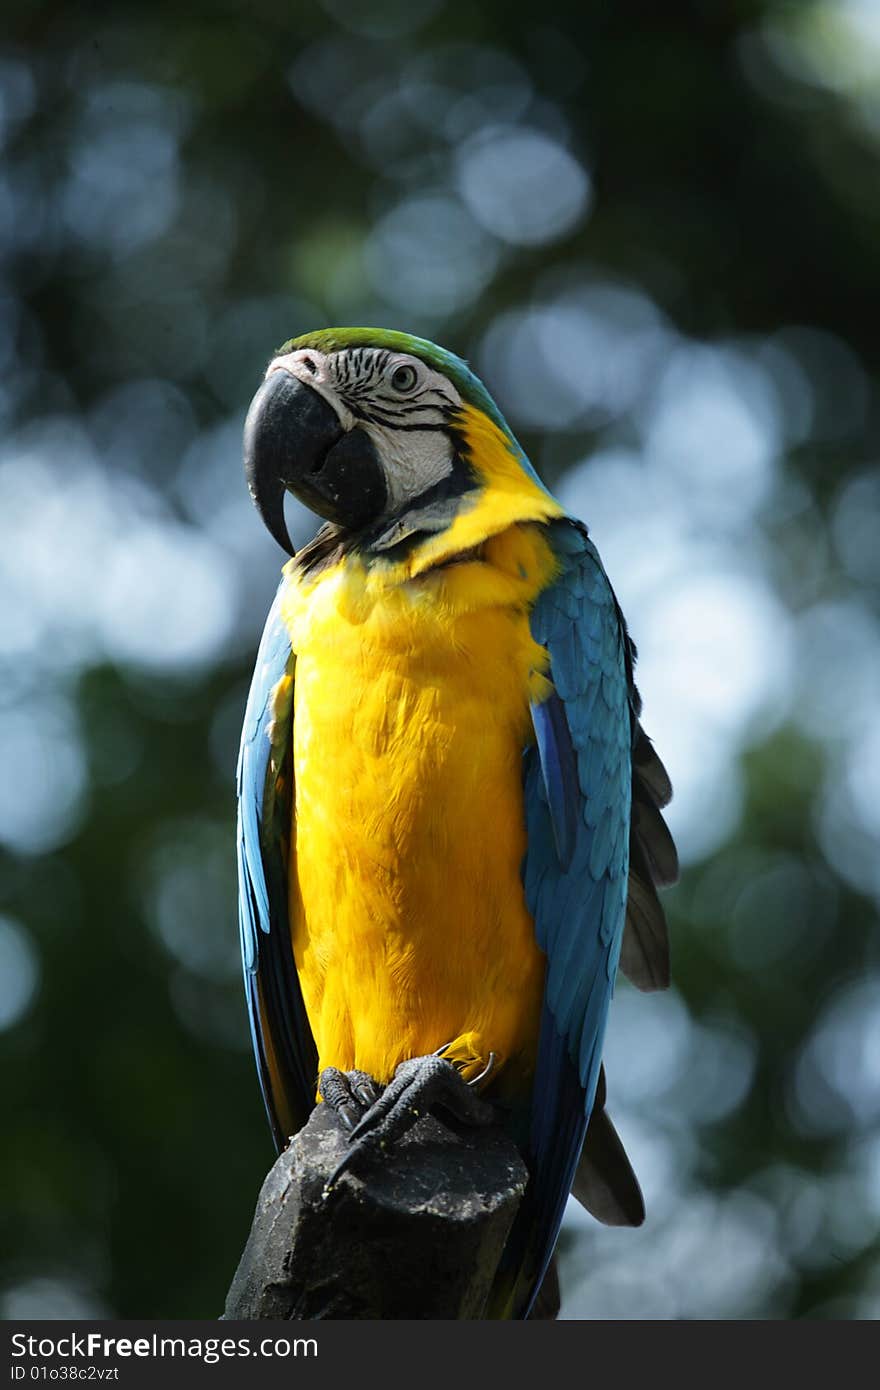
<point x="418" y="1237"/>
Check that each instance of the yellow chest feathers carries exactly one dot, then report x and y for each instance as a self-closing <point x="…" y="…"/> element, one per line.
<point x="411" y="698"/>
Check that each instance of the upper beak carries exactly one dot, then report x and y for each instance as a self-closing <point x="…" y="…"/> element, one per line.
<point x="293" y="439"/>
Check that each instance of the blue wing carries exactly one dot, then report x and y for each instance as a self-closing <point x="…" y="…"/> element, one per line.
<point x="283" y="1044"/>
<point x="578" y="793"/>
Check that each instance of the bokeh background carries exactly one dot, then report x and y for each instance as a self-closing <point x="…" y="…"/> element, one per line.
<point x="654" y="231"/>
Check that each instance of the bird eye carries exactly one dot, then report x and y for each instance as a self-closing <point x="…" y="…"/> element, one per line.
<point x="404" y="377"/>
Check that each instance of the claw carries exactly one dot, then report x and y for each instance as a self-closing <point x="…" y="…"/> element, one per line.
<point x="338" y="1171"/>
<point x="349" y="1115"/>
<point x="475" y="1080"/>
<point x="367" y="1091"/>
<point x="487" y="1071"/>
<point x="348" y="1094"/>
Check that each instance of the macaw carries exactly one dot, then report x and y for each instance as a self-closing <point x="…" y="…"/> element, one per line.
<point x="450" y="832"/>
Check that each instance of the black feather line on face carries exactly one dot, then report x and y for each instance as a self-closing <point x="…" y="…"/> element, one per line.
<point x="389" y="414"/>
<point x="360" y="380"/>
<point x="396" y="424"/>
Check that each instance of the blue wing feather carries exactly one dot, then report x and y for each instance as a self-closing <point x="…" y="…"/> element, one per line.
<point x="282" y="1041"/>
<point x="577" y="786"/>
<point x="559" y="767"/>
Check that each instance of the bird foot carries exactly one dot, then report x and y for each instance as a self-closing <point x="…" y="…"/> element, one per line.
<point x="348" y="1093"/>
<point x="417" y="1086"/>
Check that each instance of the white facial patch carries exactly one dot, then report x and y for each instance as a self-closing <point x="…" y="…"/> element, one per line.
<point x="398" y="400"/>
<point x="413" y="460"/>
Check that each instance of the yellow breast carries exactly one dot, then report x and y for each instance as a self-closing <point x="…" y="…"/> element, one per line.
<point x="410" y="929"/>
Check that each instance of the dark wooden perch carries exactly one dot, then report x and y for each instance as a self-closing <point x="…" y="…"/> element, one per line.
<point x="417" y="1237"/>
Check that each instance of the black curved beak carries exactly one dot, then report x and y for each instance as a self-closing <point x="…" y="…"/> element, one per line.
<point x="293" y="441"/>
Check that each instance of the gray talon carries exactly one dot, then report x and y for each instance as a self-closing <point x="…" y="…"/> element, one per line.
<point x="487" y="1071"/>
<point x="367" y="1091"/>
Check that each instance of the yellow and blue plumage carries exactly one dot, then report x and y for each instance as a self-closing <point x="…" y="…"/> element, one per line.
<point x="444" y="789"/>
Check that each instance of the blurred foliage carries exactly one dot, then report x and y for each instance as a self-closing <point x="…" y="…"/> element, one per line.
<point x="692" y="189"/>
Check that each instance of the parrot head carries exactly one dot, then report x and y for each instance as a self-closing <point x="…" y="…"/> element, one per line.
<point x="367" y="427"/>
